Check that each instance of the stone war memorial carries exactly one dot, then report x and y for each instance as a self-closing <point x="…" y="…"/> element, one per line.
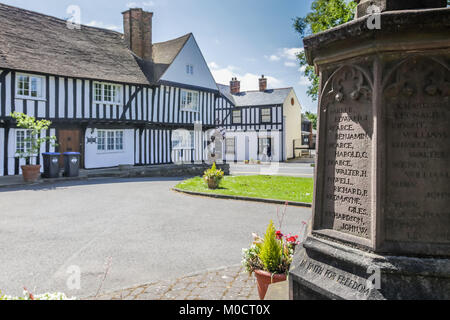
<point x="381" y="217"/>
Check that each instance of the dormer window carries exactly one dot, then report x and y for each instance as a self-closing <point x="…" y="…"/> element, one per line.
<point x="190" y="69"/>
<point x="107" y="93"/>
<point x="29" y="87"/>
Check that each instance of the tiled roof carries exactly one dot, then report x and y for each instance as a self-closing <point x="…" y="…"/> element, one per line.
<point x="256" y="98"/>
<point x="34" y="42"/>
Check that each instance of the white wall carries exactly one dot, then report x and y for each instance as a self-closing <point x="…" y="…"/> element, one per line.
<point x="293" y="124"/>
<point x="190" y="55"/>
<point x="253" y="145"/>
<point x="96" y="159"/>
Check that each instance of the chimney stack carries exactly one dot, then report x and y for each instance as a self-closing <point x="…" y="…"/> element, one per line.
<point x="137" y="26"/>
<point x="235" y="86"/>
<point x="262" y="84"/>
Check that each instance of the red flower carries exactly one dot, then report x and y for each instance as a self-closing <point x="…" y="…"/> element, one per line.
<point x="292" y="239"/>
<point x="279" y="235"/>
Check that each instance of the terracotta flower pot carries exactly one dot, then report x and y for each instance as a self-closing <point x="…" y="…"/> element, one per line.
<point x="212" y="184"/>
<point x="264" y="279"/>
<point x="31" y="173"/>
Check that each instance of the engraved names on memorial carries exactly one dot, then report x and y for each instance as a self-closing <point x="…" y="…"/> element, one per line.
<point x="347" y="184"/>
<point x="418" y="153"/>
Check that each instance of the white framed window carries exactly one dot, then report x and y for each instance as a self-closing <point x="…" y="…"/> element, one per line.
<point x="190" y="101"/>
<point x="182" y="140"/>
<point x="190" y="69"/>
<point x="230" y="146"/>
<point x="266" y="115"/>
<point x="23" y="141"/>
<point x="110" y="140"/>
<point x="237" y="117"/>
<point x="265" y="146"/>
<point x="107" y="93"/>
<point x="29" y="86"/>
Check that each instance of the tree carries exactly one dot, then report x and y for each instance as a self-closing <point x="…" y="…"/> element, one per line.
<point x="313" y="118"/>
<point x="33" y="139"/>
<point x="325" y="14"/>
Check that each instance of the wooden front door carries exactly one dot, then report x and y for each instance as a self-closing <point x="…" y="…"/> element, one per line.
<point x="69" y="141"/>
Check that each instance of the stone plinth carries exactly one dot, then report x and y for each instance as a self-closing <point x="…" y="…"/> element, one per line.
<point x="382" y="197"/>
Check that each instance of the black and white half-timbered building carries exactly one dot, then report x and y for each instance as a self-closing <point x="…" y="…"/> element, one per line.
<point x="260" y="125"/>
<point x="115" y="98"/>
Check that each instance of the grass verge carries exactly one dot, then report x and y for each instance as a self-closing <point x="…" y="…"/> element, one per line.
<point x="265" y="187"/>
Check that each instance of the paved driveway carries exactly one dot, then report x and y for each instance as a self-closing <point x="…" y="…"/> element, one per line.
<point x="150" y="232"/>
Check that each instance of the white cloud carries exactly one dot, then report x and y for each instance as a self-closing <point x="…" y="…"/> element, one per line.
<point x="273" y="58"/>
<point x="249" y="81"/>
<point x="290" y="53"/>
<point x="99" y="24"/>
<point x="290" y="64"/>
<point x="213" y="65"/>
<point x="304" y="81"/>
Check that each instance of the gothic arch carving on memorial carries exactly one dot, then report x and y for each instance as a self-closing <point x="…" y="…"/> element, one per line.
<point x="347" y="82"/>
<point x="345" y="153"/>
<point x="418" y="76"/>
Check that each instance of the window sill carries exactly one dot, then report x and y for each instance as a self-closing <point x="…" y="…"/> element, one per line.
<point x="108" y="103"/>
<point x="110" y="152"/>
<point x="190" y="110"/>
<point x="30" y="98"/>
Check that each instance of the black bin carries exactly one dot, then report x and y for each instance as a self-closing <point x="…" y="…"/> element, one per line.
<point x="51" y="164"/>
<point x="71" y="164"/>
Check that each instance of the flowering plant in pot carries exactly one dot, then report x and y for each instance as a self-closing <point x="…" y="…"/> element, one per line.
<point x="31" y="144"/>
<point x="213" y="177"/>
<point x="270" y="258"/>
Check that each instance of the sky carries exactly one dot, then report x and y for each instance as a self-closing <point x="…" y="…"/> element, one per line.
<point x="238" y="38"/>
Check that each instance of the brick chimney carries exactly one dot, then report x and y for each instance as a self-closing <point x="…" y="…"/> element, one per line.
<point x="262" y="84"/>
<point x="235" y="86"/>
<point x="137" y="26"/>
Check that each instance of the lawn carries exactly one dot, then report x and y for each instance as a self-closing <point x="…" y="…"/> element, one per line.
<point x="266" y="187"/>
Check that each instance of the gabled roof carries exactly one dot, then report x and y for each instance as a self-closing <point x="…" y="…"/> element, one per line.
<point x="34" y="42"/>
<point x="164" y="53"/>
<point x="256" y="98"/>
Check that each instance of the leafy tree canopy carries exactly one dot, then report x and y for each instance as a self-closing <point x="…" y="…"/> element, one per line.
<point x="313" y="118"/>
<point x="325" y="14"/>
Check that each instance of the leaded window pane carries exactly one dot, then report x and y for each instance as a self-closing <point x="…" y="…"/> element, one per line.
<point x="101" y="145"/>
<point x="119" y="140"/>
